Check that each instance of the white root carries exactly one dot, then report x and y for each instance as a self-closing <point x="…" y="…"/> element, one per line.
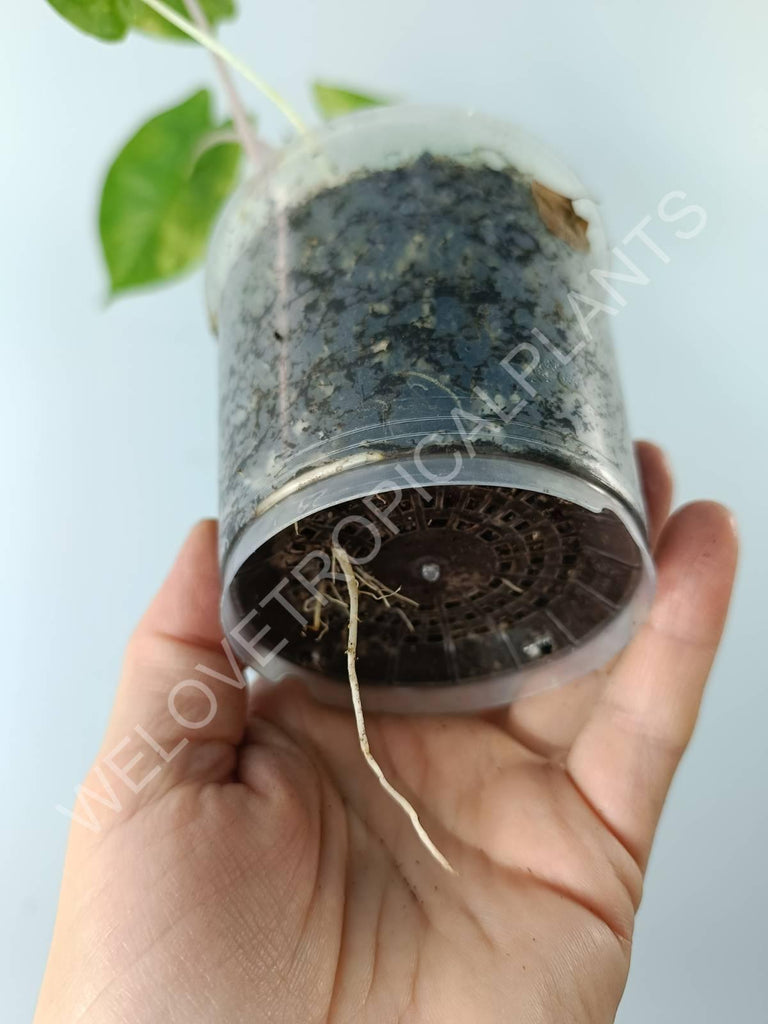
<point x="377" y="590"/>
<point x="340" y="556"/>
<point x="513" y="586"/>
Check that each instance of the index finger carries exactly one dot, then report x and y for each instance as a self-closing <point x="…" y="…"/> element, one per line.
<point x="624" y="758"/>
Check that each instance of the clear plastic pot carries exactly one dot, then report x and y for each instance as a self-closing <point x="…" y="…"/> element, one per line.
<point x="410" y="366"/>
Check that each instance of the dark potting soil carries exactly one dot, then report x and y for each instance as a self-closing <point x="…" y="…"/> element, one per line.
<point x="486" y="579"/>
<point x="357" y="324"/>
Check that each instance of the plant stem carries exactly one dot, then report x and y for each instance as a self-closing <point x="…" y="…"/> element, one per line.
<point x="253" y="148"/>
<point x="342" y="558"/>
<point x="210" y="43"/>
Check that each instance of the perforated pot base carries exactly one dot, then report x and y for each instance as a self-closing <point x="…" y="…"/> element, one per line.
<point x="494" y="579"/>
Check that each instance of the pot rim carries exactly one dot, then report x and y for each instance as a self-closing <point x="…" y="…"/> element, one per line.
<point x="340" y="484"/>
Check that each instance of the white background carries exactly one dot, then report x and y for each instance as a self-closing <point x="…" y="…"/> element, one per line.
<point x="107" y="415"/>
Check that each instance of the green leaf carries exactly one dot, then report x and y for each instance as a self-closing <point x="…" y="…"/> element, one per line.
<point x="333" y="101"/>
<point x="111" y="19"/>
<point x="149" y="21"/>
<point x="106" y="19"/>
<point x="160" y="198"/>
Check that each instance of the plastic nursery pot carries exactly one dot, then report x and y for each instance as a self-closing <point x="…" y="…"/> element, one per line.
<point x="405" y="372"/>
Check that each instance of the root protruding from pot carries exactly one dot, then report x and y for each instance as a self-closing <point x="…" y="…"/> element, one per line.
<point x="341" y="556"/>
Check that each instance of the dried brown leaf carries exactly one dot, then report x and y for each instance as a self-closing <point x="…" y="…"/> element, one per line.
<point x="559" y="216"/>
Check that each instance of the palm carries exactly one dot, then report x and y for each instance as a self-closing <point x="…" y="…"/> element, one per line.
<point x="265" y="875"/>
<point x="542" y="885"/>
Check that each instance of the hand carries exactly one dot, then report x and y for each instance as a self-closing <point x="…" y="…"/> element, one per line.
<point x="262" y="875"/>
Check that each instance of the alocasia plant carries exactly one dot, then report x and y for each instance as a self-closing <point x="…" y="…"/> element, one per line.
<point x="111" y="20"/>
<point x="162" y="193"/>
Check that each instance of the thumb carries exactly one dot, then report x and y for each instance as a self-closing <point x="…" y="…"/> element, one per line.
<point x="180" y="708"/>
